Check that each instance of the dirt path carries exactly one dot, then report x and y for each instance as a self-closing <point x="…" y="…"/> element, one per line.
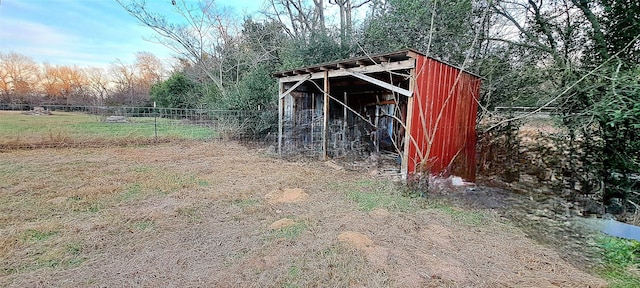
<point x="220" y="215"/>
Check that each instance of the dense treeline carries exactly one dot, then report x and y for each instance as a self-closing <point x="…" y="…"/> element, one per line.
<point x="23" y="81"/>
<point x="581" y="57"/>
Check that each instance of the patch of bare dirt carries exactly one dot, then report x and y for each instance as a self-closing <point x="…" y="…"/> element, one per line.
<point x="201" y="214"/>
<point x="379" y="213"/>
<point x="289" y="195"/>
<point x="358" y="240"/>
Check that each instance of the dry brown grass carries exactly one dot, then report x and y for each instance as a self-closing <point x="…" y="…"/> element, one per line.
<point x="195" y="214"/>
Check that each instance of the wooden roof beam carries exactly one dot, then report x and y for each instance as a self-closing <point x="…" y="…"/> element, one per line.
<point x="383" y="67"/>
<point x="412" y="54"/>
<point x="294" y="86"/>
<point x="382" y="84"/>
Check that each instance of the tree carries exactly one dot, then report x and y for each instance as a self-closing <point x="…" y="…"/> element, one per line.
<point x="98" y="83"/>
<point x="123" y="76"/>
<point x="132" y="81"/>
<point x="256" y="90"/>
<point x="298" y="18"/>
<point x="261" y="42"/>
<point x="318" y="48"/>
<point x="181" y="92"/>
<point x="64" y="84"/>
<point x="614" y="29"/>
<point x="149" y="68"/>
<point x="205" y="37"/>
<point x="346" y="21"/>
<point x="447" y="32"/>
<point x="584" y="57"/>
<point x="610" y="95"/>
<point x="18" y="77"/>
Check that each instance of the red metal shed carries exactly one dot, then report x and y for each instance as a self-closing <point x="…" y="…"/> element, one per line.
<point x="401" y="103"/>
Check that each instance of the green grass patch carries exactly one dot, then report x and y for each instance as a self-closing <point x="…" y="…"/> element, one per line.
<point x="144" y="225"/>
<point x="621" y="261"/>
<point x="143" y="169"/>
<point x="33" y="235"/>
<point x="132" y="192"/>
<point x="74" y="248"/>
<point x="293" y="275"/>
<point x="165" y="182"/>
<point x="462" y="216"/>
<point x="54" y="262"/>
<point x="290" y="232"/>
<point x="232" y="259"/>
<point x="71" y="126"/>
<point x="244" y="203"/>
<point x="94" y="207"/>
<point x="339" y="264"/>
<point x="293" y="271"/>
<point x="371" y="194"/>
<point x="371" y="200"/>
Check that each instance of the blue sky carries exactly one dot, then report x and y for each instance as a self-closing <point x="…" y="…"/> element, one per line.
<point x="84" y="32"/>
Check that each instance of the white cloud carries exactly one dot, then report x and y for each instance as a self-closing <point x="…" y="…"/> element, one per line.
<point x="31" y="33"/>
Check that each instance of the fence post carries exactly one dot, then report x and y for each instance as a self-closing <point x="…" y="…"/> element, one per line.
<point x="155" y="121"/>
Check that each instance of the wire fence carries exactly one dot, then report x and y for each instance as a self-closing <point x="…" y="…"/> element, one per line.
<point x="29" y="126"/>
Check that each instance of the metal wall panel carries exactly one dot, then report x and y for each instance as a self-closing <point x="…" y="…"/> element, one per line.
<point x="444" y="120"/>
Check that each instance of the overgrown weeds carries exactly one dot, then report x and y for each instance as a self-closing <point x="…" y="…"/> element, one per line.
<point x="621" y="261"/>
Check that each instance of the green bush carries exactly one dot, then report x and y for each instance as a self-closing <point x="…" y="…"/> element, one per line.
<point x="620" y="256"/>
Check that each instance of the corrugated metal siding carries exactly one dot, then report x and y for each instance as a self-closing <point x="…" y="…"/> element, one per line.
<point x="443" y="120"/>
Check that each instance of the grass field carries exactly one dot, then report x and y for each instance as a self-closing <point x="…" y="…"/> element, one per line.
<point x="217" y="214"/>
<point x="60" y="128"/>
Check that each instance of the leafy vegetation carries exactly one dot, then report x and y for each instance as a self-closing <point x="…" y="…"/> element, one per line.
<point x="622" y="261"/>
<point x="181" y="92"/>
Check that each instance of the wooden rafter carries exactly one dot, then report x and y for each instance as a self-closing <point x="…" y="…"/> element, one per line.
<point x="337" y="72"/>
<point x="382" y="84"/>
<point x="295" y="86"/>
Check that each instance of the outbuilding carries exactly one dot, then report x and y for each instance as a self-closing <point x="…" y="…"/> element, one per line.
<point x="404" y="103"/>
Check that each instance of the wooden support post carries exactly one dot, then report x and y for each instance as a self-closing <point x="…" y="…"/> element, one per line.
<point x="325" y="123"/>
<point x="280" y="116"/>
<point x="404" y="169"/>
<point x="345" y="125"/>
<point x="313" y="126"/>
<point x="377" y="123"/>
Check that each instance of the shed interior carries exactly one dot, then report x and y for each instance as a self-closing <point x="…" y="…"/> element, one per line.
<point x="363" y="118"/>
